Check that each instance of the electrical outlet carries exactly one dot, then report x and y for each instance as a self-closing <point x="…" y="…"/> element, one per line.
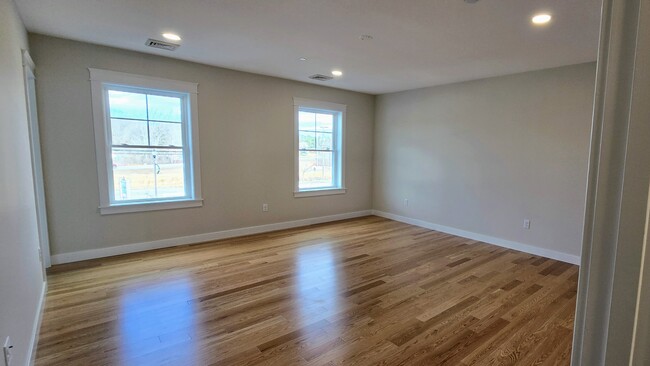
<point x="7" y="351"/>
<point x="406" y="202"/>
<point x="526" y="224"/>
<point x="265" y="207"/>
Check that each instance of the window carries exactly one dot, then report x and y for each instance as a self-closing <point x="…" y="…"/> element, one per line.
<point x="146" y="140"/>
<point x="319" y="128"/>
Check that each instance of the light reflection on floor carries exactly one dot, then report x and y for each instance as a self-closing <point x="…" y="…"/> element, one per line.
<point x="157" y="323"/>
<point x="317" y="283"/>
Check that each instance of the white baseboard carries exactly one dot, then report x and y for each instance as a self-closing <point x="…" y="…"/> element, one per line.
<point x="199" y="238"/>
<point x="36" y="329"/>
<point x="218" y="235"/>
<point x="548" y="253"/>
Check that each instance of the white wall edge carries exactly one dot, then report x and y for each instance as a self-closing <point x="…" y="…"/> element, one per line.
<point x="548" y="253"/>
<point x="199" y="238"/>
<point x="36" y="329"/>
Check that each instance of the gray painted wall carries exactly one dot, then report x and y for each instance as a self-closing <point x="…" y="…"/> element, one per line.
<point x="21" y="278"/>
<point x="478" y="156"/>
<point x="246" y="141"/>
<point x="483" y="155"/>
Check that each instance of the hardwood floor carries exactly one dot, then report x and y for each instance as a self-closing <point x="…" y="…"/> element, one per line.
<point x="366" y="291"/>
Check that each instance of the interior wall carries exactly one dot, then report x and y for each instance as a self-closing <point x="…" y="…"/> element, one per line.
<point x="482" y="156"/>
<point x="246" y="145"/>
<point x="21" y="278"/>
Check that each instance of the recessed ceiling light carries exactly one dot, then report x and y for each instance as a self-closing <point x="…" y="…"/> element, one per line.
<point x="337" y="72"/>
<point x="172" y="36"/>
<point x="541" y="18"/>
<point x="303" y="59"/>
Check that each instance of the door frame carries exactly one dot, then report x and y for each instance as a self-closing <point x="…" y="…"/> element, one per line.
<point x="37" y="163"/>
<point x="617" y="189"/>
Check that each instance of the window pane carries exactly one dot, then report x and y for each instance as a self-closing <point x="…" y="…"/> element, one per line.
<point x="307" y="140"/>
<point x="164" y="108"/>
<point x="306" y="121"/>
<point x="324" y="122"/>
<point x="324" y="141"/>
<point x="315" y="170"/>
<point x="141" y="174"/>
<point x="133" y="174"/>
<point x="127" y="105"/>
<point x="129" y="132"/>
<point x="170" y="177"/>
<point x="166" y="134"/>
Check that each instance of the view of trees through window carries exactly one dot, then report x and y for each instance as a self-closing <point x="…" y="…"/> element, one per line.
<point x="316" y="155"/>
<point x="147" y="145"/>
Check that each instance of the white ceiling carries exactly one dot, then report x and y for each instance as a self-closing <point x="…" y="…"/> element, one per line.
<point x="417" y="43"/>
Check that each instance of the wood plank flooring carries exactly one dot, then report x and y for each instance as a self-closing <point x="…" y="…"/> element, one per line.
<point x="367" y="291"/>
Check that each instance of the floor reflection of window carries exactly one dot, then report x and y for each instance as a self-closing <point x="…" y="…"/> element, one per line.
<point x="158" y="318"/>
<point x="317" y="283"/>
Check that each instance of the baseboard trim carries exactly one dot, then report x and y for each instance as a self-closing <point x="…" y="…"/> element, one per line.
<point x="36" y="329"/>
<point x="199" y="238"/>
<point x="548" y="253"/>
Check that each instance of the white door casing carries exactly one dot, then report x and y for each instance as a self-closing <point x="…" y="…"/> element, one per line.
<point x="37" y="164"/>
<point x="617" y="192"/>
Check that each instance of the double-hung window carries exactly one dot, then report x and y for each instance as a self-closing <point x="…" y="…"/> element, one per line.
<point x="146" y="138"/>
<point x="319" y="142"/>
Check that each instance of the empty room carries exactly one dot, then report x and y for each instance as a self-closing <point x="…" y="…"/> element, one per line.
<point x="341" y="182"/>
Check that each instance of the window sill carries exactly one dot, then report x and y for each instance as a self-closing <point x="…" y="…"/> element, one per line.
<point x="319" y="192"/>
<point x="150" y="206"/>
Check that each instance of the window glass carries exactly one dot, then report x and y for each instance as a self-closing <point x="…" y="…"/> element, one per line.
<point x="133" y="174"/>
<point x="163" y="108"/>
<point x="324" y="141"/>
<point x="307" y="140"/>
<point x="128" y="132"/>
<point x="147" y="148"/>
<point x="166" y="134"/>
<point x="306" y="121"/>
<point x="127" y="105"/>
<point x="317" y="149"/>
<point x="324" y="122"/>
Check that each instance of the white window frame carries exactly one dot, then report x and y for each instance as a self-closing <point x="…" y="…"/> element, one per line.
<point x="338" y="148"/>
<point x="100" y="80"/>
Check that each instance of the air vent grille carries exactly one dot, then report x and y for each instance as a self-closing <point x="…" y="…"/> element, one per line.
<point x="321" y="77"/>
<point x="161" y="44"/>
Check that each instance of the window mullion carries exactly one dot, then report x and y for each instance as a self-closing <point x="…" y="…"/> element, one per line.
<point x="146" y="103"/>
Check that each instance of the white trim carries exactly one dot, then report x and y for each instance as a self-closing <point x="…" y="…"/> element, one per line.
<point x="100" y="80"/>
<point x="150" y="206"/>
<point x="28" y="61"/>
<point x="548" y="253"/>
<point x="36" y="328"/>
<point x="319" y="192"/>
<point x="198" y="238"/>
<point x="36" y="157"/>
<point x="617" y="189"/>
<point x="641" y="333"/>
<point x="317" y="104"/>
<point x="141" y="81"/>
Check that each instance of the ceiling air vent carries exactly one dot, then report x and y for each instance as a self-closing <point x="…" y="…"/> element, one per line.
<point x="161" y="44"/>
<point x="321" y="77"/>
